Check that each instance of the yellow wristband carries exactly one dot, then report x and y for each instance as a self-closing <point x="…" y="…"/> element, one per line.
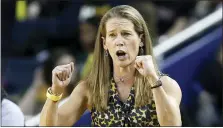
<point x="52" y="96"/>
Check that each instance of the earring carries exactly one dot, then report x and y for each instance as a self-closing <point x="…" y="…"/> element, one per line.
<point x="106" y="52"/>
<point x="141" y="44"/>
<point x="141" y="49"/>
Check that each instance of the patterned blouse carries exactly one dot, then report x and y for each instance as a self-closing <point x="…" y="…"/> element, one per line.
<point x="124" y="114"/>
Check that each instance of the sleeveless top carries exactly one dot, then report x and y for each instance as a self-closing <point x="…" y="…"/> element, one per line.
<point x="124" y="114"/>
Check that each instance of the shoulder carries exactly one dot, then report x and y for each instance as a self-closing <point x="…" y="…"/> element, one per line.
<point x="11" y="114"/>
<point x="171" y="87"/>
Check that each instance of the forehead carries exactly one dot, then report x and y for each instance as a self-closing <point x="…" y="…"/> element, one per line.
<point x="119" y="23"/>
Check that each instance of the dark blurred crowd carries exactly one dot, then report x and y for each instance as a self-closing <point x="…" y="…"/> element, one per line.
<point x="52" y="33"/>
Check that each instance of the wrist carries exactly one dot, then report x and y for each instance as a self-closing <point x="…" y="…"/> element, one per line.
<point x="54" y="97"/>
<point x="57" y="90"/>
<point x="154" y="78"/>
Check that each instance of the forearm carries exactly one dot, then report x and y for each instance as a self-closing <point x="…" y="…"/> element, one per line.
<point x="49" y="115"/>
<point x="28" y="102"/>
<point x="167" y="111"/>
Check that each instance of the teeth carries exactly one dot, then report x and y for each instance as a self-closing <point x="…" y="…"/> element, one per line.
<point x="120" y="51"/>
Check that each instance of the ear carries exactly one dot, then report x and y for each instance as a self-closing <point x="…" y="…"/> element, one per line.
<point x="104" y="44"/>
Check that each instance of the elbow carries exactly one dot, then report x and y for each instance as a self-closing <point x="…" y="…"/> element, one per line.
<point x="177" y="123"/>
<point x="171" y="122"/>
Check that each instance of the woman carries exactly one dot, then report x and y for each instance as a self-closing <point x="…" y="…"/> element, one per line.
<point x="124" y="87"/>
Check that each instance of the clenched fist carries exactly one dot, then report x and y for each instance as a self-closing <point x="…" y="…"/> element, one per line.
<point x="145" y="66"/>
<point x="61" y="76"/>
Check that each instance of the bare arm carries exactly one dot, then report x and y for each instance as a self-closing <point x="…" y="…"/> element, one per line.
<point x="167" y="99"/>
<point x="68" y="113"/>
<point x="28" y="101"/>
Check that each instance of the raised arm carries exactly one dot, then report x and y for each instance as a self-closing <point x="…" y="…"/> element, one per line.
<point x="71" y="110"/>
<point x="167" y="99"/>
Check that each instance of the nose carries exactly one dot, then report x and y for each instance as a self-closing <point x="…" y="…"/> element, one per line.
<point x="119" y="41"/>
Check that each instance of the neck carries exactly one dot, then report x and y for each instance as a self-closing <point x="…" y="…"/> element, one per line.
<point x="124" y="73"/>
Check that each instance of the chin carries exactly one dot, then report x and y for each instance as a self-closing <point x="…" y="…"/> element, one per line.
<point x="123" y="64"/>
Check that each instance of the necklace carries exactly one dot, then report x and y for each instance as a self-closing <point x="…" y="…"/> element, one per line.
<point x="122" y="79"/>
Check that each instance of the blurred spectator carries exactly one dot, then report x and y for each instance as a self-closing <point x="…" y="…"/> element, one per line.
<point x="210" y="98"/>
<point x="173" y="17"/>
<point x="51" y="8"/>
<point x="35" y="97"/>
<point x="148" y="11"/>
<point x="89" y="19"/>
<point x="11" y="115"/>
<point x="204" y="7"/>
<point x="46" y="8"/>
<point x="88" y="32"/>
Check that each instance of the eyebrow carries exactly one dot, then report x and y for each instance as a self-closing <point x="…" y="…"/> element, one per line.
<point x="122" y="30"/>
<point x="111" y="31"/>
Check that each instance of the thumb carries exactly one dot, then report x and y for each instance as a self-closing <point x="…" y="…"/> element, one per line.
<point x="136" y="66"/>
<point x="140" y="70"/>
<point x="72" y="66"/>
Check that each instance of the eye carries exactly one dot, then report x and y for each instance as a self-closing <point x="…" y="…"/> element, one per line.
<point x="126" y="34"/>
<point x="111" y="35"/>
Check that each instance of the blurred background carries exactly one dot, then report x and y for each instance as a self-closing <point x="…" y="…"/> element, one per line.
<point x="37" y="35"/>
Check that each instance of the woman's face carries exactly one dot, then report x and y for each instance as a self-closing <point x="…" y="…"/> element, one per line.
<point x="121" y="41"/>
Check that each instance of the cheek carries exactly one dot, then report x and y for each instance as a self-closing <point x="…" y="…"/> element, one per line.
<point x="133" y="48"/>
<point x="110" y="46"/>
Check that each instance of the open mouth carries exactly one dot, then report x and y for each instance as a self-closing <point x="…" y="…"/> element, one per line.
<point x="120" y="53"/>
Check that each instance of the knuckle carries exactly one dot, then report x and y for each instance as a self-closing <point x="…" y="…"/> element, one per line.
<point x="149" y="56"/>
<point x="54" y="71"/>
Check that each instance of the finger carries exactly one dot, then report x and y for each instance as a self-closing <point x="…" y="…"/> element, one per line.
<point x="149" y="57"/>
<point x="135" y="65"/>
<point x="54" y="74"/>
<point x="137" y="57"/>
<point x="138" y="62"/>
<point x="58" y="77"/>
<point x="72" y="66"/>
<point x="67" y="65"/>
<point x="60" y="70"/>
<point x="140" y="70"/>
<point x="58" y="74"/>
<point x="67" y="72"/>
